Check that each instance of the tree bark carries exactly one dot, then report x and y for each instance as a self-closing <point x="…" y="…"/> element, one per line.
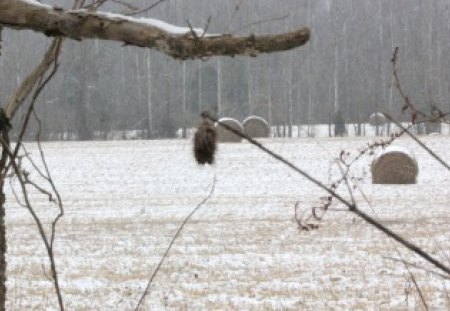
<point x="179" y="44"/>
<point x="3" y="246"/>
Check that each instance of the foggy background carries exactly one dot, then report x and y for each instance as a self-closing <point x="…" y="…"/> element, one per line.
<point x="103" y="90"/>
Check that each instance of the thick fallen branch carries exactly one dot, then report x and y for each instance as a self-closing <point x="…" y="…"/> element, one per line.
<point x="177" y="42"/>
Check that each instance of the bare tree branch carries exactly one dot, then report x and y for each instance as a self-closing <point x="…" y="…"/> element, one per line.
<point x="174" y="41"/>
<point x="140" y="11"/>
<point x="417" y="116"/>
<point x="411" y="275"/>
<point x="419" y="142"/>
<point x="417" y="267"/>
<point x="22" y="176"/>
<point x="177" y="234"/>
<point x="279" y="18"/>
<point x="49" y="179"/>
<point x="26" y="87"/>
<point x="352" y="207"/>
<point x="43" y="235"/>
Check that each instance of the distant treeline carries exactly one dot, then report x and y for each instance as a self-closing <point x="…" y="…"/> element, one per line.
<point x="102" y="88"/>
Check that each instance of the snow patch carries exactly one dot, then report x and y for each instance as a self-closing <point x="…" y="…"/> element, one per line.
<point x="253" y="117"/>
<point x="173" y="29"/>
<point x="36" y="3"/>
<point x="397" y="149"/>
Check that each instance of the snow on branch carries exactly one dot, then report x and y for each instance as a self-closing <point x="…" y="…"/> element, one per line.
<point x="178" y="42"/>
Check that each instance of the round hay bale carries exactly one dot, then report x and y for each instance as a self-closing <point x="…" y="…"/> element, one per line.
<point x="377" y="119"/>
<point x="256" y="127"/>
<point x="394" y="165"/>
<point x="226" y="136"/>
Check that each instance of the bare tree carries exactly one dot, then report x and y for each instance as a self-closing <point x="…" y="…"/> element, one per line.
<point x="177" y="42"/>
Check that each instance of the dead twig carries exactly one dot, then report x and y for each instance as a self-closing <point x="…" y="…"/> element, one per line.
<point x="411" y="264"/>
<point x="419" y="142"/>
<point x="411" y="275"/>
<point x="136" y="11"/>
<point x="23" y="176"/>
<point x="264" y="21"/>
<point x="49" y="179"/>
<point x="417" y="116"/>
<point x="43" y="235"/>
<point x="175" y="237"/>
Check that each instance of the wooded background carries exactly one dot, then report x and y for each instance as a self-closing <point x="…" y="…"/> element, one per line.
<point x="102" y="91"/>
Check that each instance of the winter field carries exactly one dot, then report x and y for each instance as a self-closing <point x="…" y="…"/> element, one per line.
<point x="124" y="201"/>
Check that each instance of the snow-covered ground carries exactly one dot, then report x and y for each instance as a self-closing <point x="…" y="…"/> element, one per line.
<point x="124" y="200"/>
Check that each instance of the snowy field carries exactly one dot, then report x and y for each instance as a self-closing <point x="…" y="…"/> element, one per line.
<point x="124" y="200"/>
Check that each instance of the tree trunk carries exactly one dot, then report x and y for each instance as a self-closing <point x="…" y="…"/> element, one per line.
<point x="184" y="132"/>
<point x="3" y="249"/>
<point x="3" y="245"/>
<point x="149" y="97"/>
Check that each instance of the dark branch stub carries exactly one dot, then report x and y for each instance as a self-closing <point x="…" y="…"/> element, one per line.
<point x="5" y="123"/>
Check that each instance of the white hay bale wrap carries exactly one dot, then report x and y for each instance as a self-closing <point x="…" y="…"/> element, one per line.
<point x="377" y="119"/>
<point x="255" y="127"/>
<point x="226" y="136"/>
<point x="394" y="165"/>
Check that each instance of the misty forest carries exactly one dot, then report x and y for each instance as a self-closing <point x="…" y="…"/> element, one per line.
<point x="224" y="155"/>
<point x="102" y="91"/>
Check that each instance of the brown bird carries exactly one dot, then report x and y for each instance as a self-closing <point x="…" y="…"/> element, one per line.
<point x="205" y="142"/>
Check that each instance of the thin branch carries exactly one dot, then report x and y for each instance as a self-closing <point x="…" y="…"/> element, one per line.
<point x="140" y="11"/>
<point x="345" y="173"/>
<point x="50" y="181"/>
<point x="441" y="275"/>
<point x="56" y="44"/>
<point x="34" y="165"/>
<point x="264" y="21"/>
<point x="447" y="296"/>
<point x="16" y="196"/>
<point x="175" y="237"/>
<point x="436" y="114"/>
<point x="237" y="7"/>
<point x="419" y="142"/>
<point x="95" y="5"/>
<point x="411" y="275"/>
<point x="38" y="222"/>
<point x="28" y="84"/>
<point x="408" y="104"/>
<point x="37" y="187"/>
<point x="37" y="76"/>
<point x="352" y="207"/>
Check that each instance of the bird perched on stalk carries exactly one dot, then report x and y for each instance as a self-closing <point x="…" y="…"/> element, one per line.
<point x="205" y="141"/>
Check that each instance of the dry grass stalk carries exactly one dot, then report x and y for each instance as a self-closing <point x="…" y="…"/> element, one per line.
<point x="394" y="166"/>
<point x="226" y="136"/>
<point x="256" y="127"/>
